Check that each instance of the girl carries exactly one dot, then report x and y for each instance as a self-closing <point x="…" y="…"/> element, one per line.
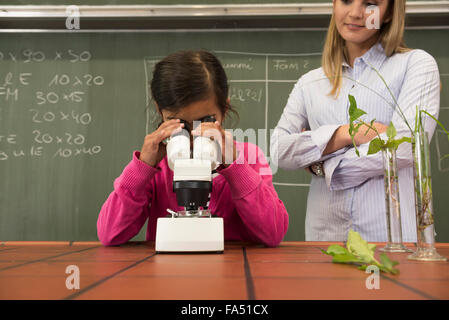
<point x="189" y="86"/>
<point x="347" y="191"/>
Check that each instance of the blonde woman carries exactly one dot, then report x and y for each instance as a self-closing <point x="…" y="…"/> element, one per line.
<point x="346" y="191"/>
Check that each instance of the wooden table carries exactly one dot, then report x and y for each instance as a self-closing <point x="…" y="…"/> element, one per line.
<point x="292" y="271"/>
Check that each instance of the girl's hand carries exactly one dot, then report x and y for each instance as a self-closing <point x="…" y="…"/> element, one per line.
<point x="153" y="149"/>
<point x="224" y="138"/>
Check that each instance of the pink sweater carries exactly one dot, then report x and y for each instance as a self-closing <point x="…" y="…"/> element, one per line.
<point x="245" y="199"/>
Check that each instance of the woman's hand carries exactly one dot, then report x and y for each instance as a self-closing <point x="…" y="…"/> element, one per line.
<point x="341" y="137"/>
<point x="224" y="138"/>
<point x="361" y="138"/>
<point x="153" y="149"/>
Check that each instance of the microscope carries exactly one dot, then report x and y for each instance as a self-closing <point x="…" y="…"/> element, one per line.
<point x="193" y="229"/>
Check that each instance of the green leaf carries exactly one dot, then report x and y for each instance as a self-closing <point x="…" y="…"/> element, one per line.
<point x="357" y="114"/>
<point x="362" y="267"/>
<point x="391" y="131"/>
<point x="351" y="129"/>
<point x="357" y="151"/>
<point x="438" y="122"/>
<point x="354" y="112"/>
<point x="352" y="104"/>
<point x="340" y="254"/>
<point x="370" y="126"/>
<point x="336" y="249"/>
<point x="406" y="139"/>
<point x="394" y="144"/>
<point x="441" y="126"/>
<point x="387" y="264"/>
<point x="346" y="258"/>
<point x="359" y="247"/>
<point x="374" y="146"/>
<point x="361" y="253"/>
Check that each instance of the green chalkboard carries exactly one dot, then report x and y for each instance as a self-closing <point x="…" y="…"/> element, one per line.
<point x="73" y="107"/>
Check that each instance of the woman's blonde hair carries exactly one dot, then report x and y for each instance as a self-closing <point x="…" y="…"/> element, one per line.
<point x="391" y="37"/>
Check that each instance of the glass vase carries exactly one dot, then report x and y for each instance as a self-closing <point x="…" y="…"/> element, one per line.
<point x="423" y="200"/>
<point x="392" y="203"/>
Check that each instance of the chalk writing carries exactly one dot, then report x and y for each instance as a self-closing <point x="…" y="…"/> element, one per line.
<point x="242" y="95"/>
<point x="53" y="101"/>
<point x="87" y="79"/>
<point x="10" y="138"/>
<point x="239" y="66"/>
<point x="53" y="97"/>
<point x="49" y="116"/>
<point x="65" y="137"/>
<point x="68" y="152"/>
<point x="33" y="151"/>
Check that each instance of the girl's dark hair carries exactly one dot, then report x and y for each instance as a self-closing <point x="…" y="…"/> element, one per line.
<point x="185" y="77"/>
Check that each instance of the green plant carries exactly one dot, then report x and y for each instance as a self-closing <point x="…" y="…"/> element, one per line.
<point x="423" y="187"/>
<point x="419" y="125"/>
<point x="376" y="144"/>
<point x="361" y="253"/>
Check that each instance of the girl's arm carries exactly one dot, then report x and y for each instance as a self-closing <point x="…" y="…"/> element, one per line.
<point x="256" y="201"/>
<point x="126" y="209"/>
<point x="421" y="87"/>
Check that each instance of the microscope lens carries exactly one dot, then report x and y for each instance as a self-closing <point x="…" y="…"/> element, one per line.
<point x="186" y="126"/>
<point x="208" y="119"/>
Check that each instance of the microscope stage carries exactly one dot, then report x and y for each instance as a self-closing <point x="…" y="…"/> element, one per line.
<point x="190" y="234"/>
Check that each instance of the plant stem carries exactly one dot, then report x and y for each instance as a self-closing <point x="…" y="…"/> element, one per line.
<point x="394" y="99"/>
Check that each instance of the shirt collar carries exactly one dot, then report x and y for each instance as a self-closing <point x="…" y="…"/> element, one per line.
<point x="374" y="57"/>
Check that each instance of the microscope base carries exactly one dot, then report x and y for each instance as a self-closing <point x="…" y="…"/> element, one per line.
<point x="190" y="234"/>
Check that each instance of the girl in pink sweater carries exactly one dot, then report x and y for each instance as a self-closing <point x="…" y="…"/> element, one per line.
<point x="189" y="86"/>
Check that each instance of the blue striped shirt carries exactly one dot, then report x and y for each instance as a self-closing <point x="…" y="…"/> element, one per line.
<point x="351" y="195"/>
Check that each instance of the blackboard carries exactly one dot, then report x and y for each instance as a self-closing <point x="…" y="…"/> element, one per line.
<point x="73" y="107"/>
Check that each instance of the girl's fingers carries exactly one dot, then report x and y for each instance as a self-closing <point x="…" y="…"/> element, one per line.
<point x="214" y="131"/>
<point x="166" y="125"/>
<point x="169" y="123"/>
<point x="205" y="126"/>
<point x="168" y="130"/>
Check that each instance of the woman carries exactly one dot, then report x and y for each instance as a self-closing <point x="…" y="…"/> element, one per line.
<point x="347" y="191"/>
<point x="190" y="86"/>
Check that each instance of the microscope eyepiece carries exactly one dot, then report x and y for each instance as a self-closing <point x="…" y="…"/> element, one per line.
<point x="208" y="119"/>
<point x="186" y="126"/>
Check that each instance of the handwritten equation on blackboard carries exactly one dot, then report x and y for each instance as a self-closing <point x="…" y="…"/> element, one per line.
<point x="44" y="104"/>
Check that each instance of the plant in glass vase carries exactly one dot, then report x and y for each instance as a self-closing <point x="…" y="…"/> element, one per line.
<point x="391" y="184"/>
<point x="423" y="192"/>
<point x="422" y="179"/>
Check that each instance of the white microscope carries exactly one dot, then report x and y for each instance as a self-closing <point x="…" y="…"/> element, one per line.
<point x="193" y="229"/>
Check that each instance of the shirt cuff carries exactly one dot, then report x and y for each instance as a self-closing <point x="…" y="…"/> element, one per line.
<point x="329" y="167"/>
<point x="137" y="174"/>
<point x="321" y="136"/>
<point x="242" y="178"/>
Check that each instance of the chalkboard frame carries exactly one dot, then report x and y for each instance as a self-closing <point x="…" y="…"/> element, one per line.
<point x="43" y="18"/>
